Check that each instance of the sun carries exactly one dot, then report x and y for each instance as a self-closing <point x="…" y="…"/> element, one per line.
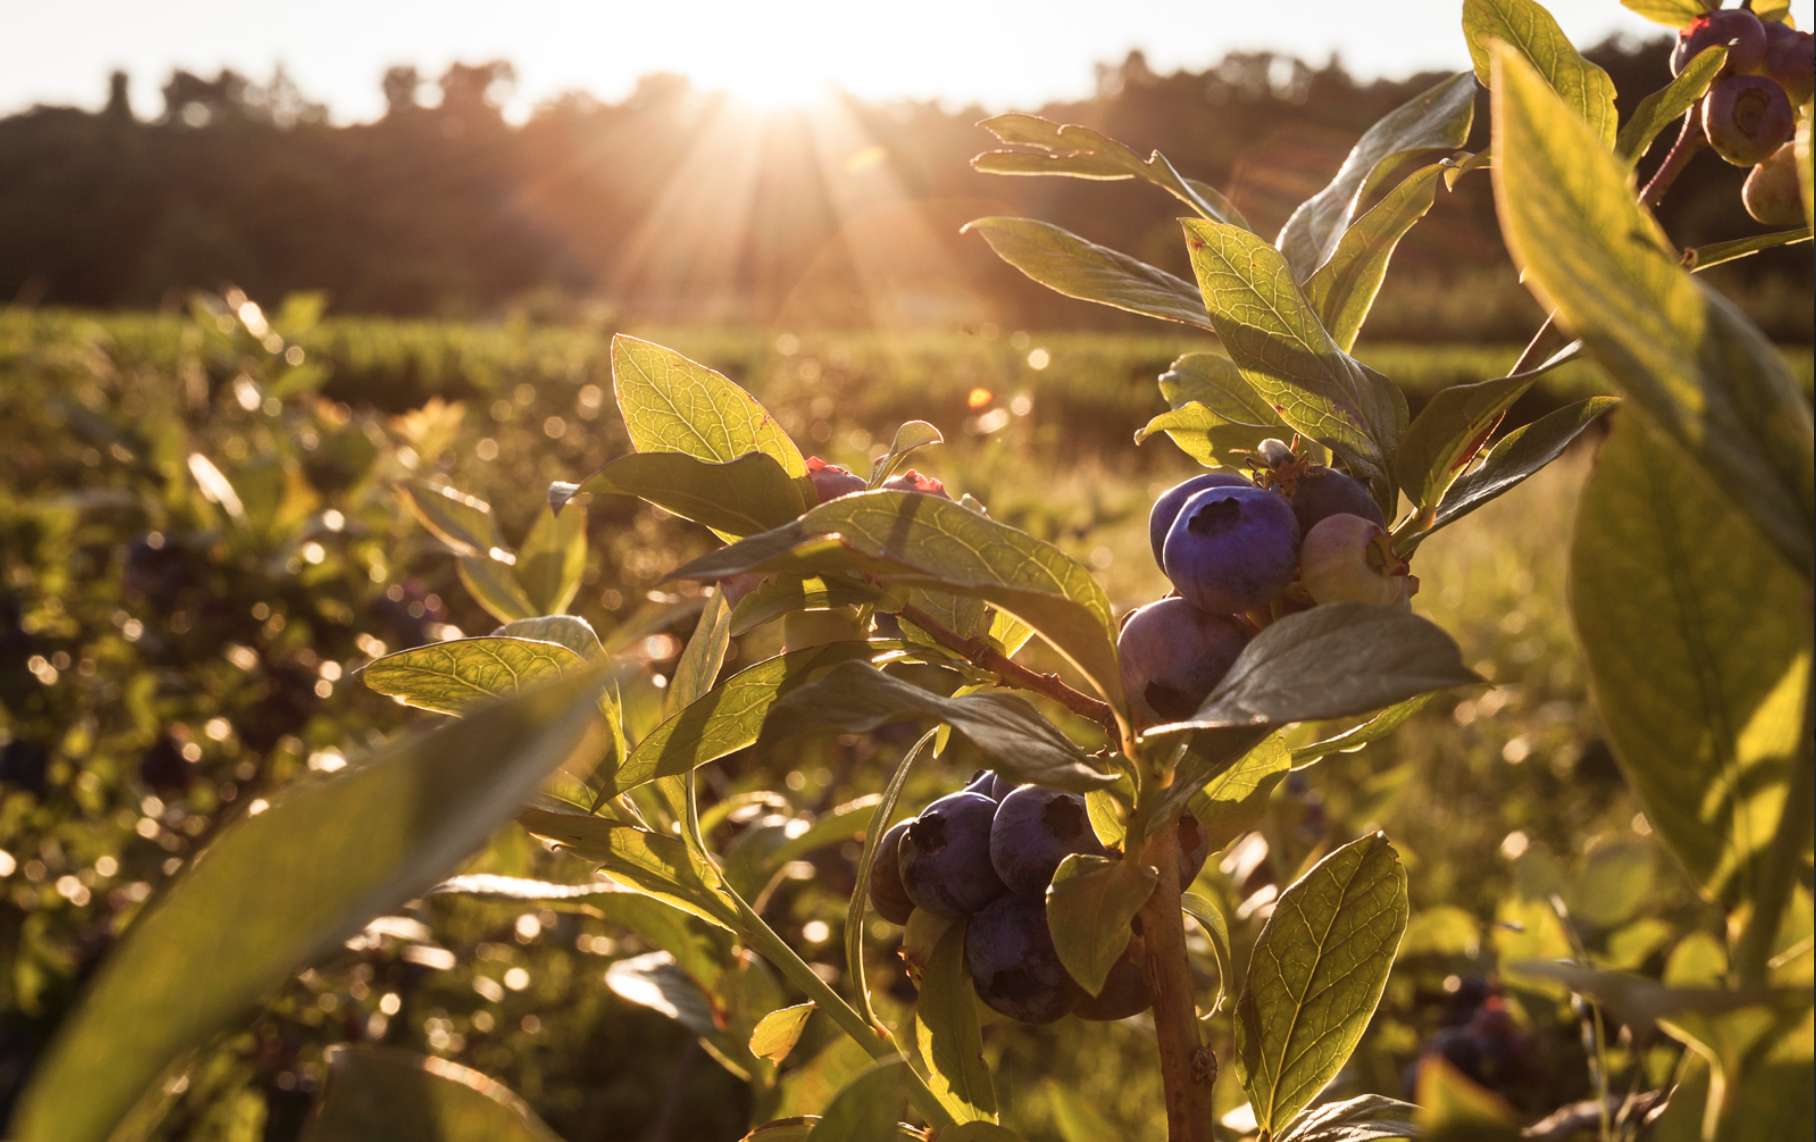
<point x="768" y="83"/>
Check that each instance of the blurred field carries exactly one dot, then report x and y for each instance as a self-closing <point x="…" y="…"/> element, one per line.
<point x="154" y="707"/>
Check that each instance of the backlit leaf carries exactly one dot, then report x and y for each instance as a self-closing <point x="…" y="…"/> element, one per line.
<point x="785" y="594"/>
<point x="777" y="1033"/>
<point x="1343" y="289"/>
<point x="1316" y="974"/>
<point x="742" y="496"/>
<point x="1668" y="104"/>
<point x="462" y="522"/>
<point x="1518" y="456"/>
<point x="553" y="558"/>
<point x="449" y="677"/>
<point x="1533" y="34"/>
<point x="494" y="585"/>
<point x="1090" y="903"/>
<point x="672" y="404"/>
<point x="868" y="1107"/>
<point x="880" y="820"/>
<point x="1670" y="13"/>
<point x="570" y="631"/>
<point x="343" y="849"/>
<point x="1365" y="1118"/>
<point x="654" y="864"/>
<point x="1077" y="268"/>
<point x="946" y="1033"/>
<point x="376" y="1094"/>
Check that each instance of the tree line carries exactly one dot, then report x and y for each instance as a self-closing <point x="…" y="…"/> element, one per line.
<point x="675" y="203"/>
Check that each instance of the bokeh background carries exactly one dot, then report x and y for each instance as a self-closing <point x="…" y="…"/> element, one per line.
<point x="326" y="248"/>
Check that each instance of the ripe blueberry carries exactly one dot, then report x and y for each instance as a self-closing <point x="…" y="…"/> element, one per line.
<point x="1746" y="118"/>
<point x="830" y="481"/>
<point x="945" y="856"/>
<point x="1771" y="192"/>
<point x="1166" y="508"/>
<point x="1014" y="967"/>
<point x="1125" y="990"/>
<point x="1348" y="559"/>
<point x="1034" y="830"/>
<point x="887" y="895"/>
<point x="1790" y="61"/>
<point x="1232" y="549"/>
<point x="1321" y="492"/>
<point x="913" y="481"/>
<point x="1172" y="655"/>
<point x="984" y="783"/>
<point x="1740" y="30"/>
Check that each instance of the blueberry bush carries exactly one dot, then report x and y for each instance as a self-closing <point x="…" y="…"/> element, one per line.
<point x="1110" y="757"/>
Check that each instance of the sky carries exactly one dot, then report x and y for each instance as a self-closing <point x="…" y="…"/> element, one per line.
<point x="999" y="53"/>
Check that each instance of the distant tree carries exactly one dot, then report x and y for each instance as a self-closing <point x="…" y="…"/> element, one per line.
<point x="474" y="93"/>
<point x="402" y="84"/>
<point x="119" y="97"/>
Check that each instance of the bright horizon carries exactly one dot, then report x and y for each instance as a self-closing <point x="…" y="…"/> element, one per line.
<point x="1012" y="53"/>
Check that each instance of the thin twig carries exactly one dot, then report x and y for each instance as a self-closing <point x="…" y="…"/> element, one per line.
<point x="983" y="654"/>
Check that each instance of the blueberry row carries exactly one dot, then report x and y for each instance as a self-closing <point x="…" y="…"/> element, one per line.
<point x="1238" y="550"/>
<point x="987" y="853"/>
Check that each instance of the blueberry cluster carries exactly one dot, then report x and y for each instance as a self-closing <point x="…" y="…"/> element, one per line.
<point x="1238" y="551"/>
<point x="987" y="853"/>
<point x="1479" y="1039"/>
<point x="1750" y="112"/>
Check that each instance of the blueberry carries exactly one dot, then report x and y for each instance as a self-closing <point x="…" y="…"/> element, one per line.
<point x="1172" y="655"/>
<point x="1232" y="549"/>
<point x="983" y="783"/>
<point x="1194" y="848"/>
<point x="1166" y="508"/>
<point x="1013" y="965"/>
<point x="1320" y="492"/>
<point x="1125" y="990"/>
<point x="945" y="856"/>
<point x="1348" y="559"/>
<point x="1740" y="30"/>
<point x="887" y="895"/>
<point x="1791" y="61"/>
<point x="1771" y="193"/>
<point x="830" y="481"/>
<point x="1034" y="830"/>
<point x="913" y="481"/>
<point x="1747" y="117"/>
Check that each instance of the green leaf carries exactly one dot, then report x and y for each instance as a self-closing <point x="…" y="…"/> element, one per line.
<point x="1232" y="802"/>
<point x="866" y="1108"/>
<point x="494" y="585"/>
<point x="450" y="677"/>
<point x="1343" y="289"/>
<point x="463" y="523"/>
<point x="698" y="667"/>
<point x="726" y="718"/>
<point x="1316" y="974"/>
<point x="1698" y="647"/>
<point x="1330" y="662"/>
<point x="1214" y="416"/>
<point x="553" y="559"/>
<point x="910" y="437"/>
<point x="375" y="1094"/>
<point x="1806" y="174"/>
<point x="1090" y="903"/>
<point x="1077" y="268"/>
<point x="921" y="540"/>
<point x="858" y="698"/>
<point x="1669" y="103"/>
<point x="1454" y="425"/>
<point x="1365" y="1118"/>
<point x="1354" y="738"/>
<point x="1432" y="123"/>
<point x="1530" y="32"/>
<point x="1205" y="436"/>
<point x="570" y="631"/>
<point x="1670" y="13"/>
<point x="1617" y="878"/>
<point x="1079" y="152"/>
<point x="860" y="893"/>
<point x="1682" y="353"/>
<point x="737" y="497"/>
<point x="658" y="866"/>
<point x="1518" y="456"/>
<point x="1275" y="338"/>
<point x="1210" y="918"/>
<point x="281" y="888"/>
<point x="1700" y="258"/>
<point x="654" y="981"/>
<point x="672" y="404"/>
<point x="777" y="1033"/>
<point x="947" y="1036"/>
<point x="783" y="595"/>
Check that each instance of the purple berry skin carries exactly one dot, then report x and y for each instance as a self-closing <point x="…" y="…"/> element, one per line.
<point x="1321" y="492"/>
<point x="887" y="895"/>
<point x="830" y="481"/>
<point x="1232" y="549"/>
<point x="1172" y="655"/>
<point x="945" y="856"/>
<point x="1166" y="508"/>
<point x="983" y="783"/>
<point x="1747" y="118"/>
<point x="1125" y="990"/>
<point x="1791" y="61"/>
<point x="1740" y="30"/>
<point x="1034" y="830"/>
<point x="1194" y="849"/>
<point x="1014" y="967"/>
